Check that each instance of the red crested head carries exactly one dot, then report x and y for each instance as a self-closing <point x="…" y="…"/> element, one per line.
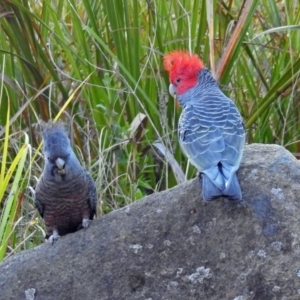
<point x="183" y="69"/>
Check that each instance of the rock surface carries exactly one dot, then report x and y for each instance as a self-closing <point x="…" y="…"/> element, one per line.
<point x="171" y="245"/>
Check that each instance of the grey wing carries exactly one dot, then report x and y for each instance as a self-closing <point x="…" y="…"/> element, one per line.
<point x="210" y="133"/>
<point x="38" y="203"/>
<point x="92" y="195"/>
<point x="234" y="136"/>
<point x="200" y="139"/>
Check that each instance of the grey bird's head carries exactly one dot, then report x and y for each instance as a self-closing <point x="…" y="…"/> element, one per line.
<point x="57" y="149"/>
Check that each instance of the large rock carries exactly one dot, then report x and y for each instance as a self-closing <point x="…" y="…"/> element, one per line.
<point x="172" y="245"/>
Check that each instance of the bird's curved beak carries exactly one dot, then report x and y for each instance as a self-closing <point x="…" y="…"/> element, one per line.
<point x="60" y="163"/>
<point x="172" y="90"/>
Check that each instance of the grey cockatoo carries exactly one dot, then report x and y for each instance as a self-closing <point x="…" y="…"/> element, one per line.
<point x="65" y="195"/>
<point x="210" y="129"/>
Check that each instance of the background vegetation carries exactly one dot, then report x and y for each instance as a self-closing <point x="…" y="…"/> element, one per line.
<point x="97" y="65"/>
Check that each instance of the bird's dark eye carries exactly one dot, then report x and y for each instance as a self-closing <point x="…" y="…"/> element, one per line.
<point x="178" y="80"/>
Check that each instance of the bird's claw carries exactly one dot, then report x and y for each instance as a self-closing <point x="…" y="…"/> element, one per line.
<point x="242" y="204"/>
<point x="53" y="237"/>
<point x="235" y="204"/>
<point x="85" y="223"/>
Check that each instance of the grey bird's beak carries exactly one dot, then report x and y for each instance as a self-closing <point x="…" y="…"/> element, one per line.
<point x="172" y="90"/>
<point x="60" y="163"/>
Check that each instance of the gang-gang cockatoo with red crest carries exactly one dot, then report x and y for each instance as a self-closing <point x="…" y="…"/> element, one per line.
<point x="210" y="129"/>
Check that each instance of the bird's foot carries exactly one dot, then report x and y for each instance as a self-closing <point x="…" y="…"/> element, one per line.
<point x="235" y="204"/>
<point x="242" y="204"/>
<point x="54" y="237"/>
<point x="200" y="177"/>
<point x="85" y="223"/>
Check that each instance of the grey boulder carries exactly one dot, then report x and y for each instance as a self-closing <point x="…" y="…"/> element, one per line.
<point x="172" y="245"/>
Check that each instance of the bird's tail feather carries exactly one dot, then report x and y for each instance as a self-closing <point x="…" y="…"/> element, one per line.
<point x="233" y="191"/>
<point x="210" y="191"/>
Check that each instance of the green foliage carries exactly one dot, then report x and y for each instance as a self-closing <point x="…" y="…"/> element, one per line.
<point x="97" y="65"/>
<point x="10" y="201"/>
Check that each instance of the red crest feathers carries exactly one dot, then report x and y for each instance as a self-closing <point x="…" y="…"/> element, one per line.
<point x="182" y="59"/>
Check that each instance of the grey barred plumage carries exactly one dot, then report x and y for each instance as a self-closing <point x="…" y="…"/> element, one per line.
<point x="65" y="195"/>
<point x="212" y="135"/>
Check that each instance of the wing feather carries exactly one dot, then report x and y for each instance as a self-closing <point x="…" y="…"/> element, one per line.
<point x="211" y="131"/>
